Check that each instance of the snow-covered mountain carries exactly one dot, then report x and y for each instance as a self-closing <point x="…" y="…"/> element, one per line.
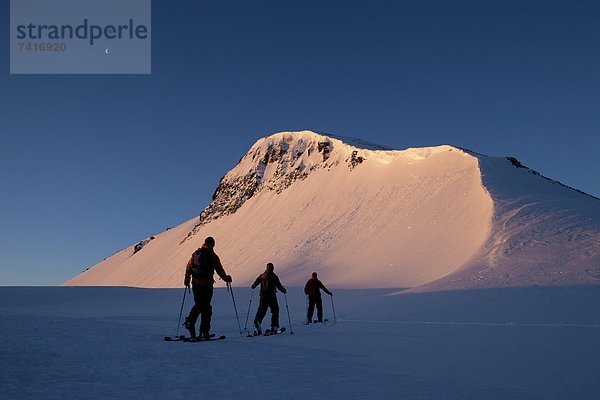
<point x="365" y="216"/>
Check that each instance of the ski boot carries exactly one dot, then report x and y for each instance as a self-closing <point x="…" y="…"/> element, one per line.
<point x="257" y="326"/>
<point x="190" y="327"/>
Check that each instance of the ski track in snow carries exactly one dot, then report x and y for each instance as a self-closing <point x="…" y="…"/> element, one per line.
<point x="517" y="324"/>
<point x="106" y="343"/>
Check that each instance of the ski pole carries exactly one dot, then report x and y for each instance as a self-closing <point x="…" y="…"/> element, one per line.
<point x="306" y="306"/>
<point x="181" y="311"/>
<point x="288" y="313"/>
<point x="230" y="289"/>
<point x="333" y="308"/>
<point x="248" y="313"/>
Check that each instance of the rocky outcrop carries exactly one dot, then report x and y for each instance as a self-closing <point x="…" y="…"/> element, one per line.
<point x="140" y="245"/>
<point x="273" y="164"/>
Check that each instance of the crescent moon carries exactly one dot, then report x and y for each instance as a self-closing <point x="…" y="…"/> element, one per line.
<point x="106" y="51"/>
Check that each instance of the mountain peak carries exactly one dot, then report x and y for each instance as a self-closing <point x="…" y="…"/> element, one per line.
<point x="308" y="136"/>
<point x="274" y="163"/>
<point x="277" y="161"/>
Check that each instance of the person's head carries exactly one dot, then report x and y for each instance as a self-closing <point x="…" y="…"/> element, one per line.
<point x="210" y="242"/>
<point x="270" y="267"/>
<point x="314" y="274"/>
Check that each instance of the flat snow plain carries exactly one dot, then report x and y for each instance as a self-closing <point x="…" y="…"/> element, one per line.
<point x="107" y="343"/>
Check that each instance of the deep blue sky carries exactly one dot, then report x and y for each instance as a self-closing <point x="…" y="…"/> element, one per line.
<point x="91" y="164"/>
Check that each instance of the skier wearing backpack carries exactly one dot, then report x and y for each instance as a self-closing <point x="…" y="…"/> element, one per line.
<point x="200" y="271"/>
<point x="269" y="283"/>
<point x="313" y="290"/>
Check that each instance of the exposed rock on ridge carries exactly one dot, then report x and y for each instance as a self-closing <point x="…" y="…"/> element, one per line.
<point x="273" y="164"/>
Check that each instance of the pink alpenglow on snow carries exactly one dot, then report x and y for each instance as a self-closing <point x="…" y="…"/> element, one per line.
<point x="364" y="216"/>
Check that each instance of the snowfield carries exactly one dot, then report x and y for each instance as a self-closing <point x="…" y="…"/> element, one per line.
<point x="107" y="343"/>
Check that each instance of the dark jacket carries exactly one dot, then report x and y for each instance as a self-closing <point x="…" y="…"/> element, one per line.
<point x="215" y="263"/>
<point x="269" y="283"/>
<point x="313" y="288"/>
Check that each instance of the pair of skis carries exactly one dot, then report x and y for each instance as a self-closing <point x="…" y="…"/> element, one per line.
<point x="182" y="338"/>
<point x="316" y="322"/>
<point x="268" y="332"/>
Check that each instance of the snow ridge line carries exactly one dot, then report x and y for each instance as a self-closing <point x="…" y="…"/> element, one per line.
<point x="518" y="324"/>
<point x="517" y="164"/>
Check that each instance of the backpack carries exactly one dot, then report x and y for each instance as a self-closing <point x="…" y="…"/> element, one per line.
<point x="268" y="286"/>
<point x="201" y="266"/>
<point x="311" y="287"/>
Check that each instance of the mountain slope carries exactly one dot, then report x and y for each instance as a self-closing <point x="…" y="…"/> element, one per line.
<point x="543" y="232"/>
<point x="367" y="216"/>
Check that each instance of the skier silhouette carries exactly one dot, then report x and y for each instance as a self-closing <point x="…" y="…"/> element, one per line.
<point x="200" y="271"/>
<point x="269" y="283"/>
<point x="313" y="290"/>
